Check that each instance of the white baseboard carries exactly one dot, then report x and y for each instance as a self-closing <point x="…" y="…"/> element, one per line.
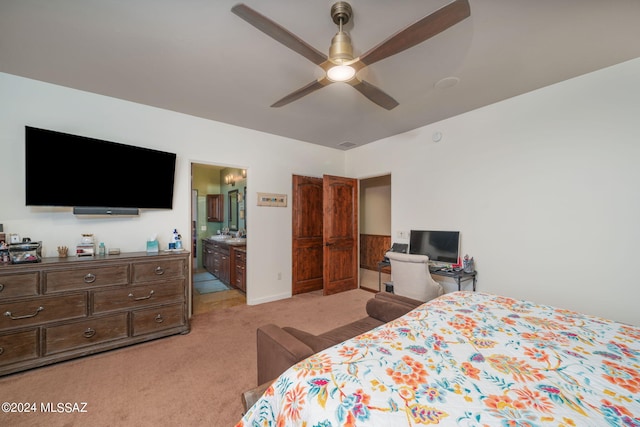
<point x="269" y="298"/>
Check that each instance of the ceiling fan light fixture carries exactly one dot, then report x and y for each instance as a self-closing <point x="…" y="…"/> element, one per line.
<point x="341" y="50"/>
<point x="340" y="65"/>
<point x="340" y="54"/>
<point x="341" y="73"/>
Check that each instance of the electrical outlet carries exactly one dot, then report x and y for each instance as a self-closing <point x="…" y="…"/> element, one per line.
<point x="203" y="228"/>
<point x="279" y="276"/>
<point x="403" y="234"/>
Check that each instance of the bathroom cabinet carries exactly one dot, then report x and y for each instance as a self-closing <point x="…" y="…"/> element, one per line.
<point x="240" y="258"/>
<point x="216" y="259"/>
<point x="226" y="261"/>
<point x="215" y="207"/>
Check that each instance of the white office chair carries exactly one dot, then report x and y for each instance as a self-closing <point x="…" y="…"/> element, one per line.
<point x="411" y="278"/>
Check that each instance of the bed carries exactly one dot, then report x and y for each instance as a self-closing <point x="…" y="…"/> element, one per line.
<point x="466" y="359"/>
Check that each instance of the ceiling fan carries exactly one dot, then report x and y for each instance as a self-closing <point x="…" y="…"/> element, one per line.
<point x="340" y="65"/>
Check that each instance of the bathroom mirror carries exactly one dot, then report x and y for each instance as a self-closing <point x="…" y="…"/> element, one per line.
<point x="244" y="209"/>
<point x="233" y="210"/>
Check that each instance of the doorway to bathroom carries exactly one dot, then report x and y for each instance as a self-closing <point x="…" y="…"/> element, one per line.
<point x="217" y="208"/>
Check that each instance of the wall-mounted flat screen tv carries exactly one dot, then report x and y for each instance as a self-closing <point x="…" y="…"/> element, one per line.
<point x="77" y="171"/>
<point x="439" y="246"/>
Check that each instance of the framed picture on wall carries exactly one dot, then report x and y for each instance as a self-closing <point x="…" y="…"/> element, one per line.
<point x="272" y="199"/>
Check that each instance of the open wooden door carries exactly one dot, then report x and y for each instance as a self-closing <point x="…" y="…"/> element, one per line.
<point x="340" y="234"/>
<point x="307" y="246"/>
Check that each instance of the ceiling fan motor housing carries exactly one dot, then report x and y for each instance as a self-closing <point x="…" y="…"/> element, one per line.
<point x="341" y="12"/>
<point x="341" y="49"/>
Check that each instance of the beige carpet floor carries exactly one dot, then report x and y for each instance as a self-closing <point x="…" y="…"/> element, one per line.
<point x="184" y="380"/>
<point x="370" y="280"/>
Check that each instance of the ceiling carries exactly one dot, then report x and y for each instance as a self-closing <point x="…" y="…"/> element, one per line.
<point x="198" y="58"/>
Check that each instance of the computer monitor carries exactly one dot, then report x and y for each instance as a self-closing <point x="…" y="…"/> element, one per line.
<point x="439" y="246"/>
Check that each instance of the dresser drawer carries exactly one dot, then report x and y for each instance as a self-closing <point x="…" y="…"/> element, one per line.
<point x="158" y="270"/>
<point x="19" y="285"/>
<point x="18" y="346"/>
<point x="83" y="278"/>
<point x="41" y="310"/>
<point x="88" y="332"/>
<point x="138" y="296"/>
<point x="157" y="318"/>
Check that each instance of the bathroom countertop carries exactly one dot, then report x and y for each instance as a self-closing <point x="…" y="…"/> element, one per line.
<point x="230" y="242"/>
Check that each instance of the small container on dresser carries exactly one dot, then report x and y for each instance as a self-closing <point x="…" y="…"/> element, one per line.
<point x="25" y="252"/>
<point x="4" y="247"/>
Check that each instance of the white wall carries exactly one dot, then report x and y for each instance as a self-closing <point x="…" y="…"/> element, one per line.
<point x="375" y="205"/>
<point x="270" y="161"/>
<point x="544" y="189"/>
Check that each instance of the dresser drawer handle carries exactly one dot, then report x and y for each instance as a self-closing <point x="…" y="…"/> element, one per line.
<point x="89" y="333"/>
<point x="159" y="271"/>
<point x="1" y="350"/>
<point x="141" y="298"/>
<point x="1" y="288"/>
<point x="89" y="278"/>
<point x="26" y="316"/>
<point x="159" y="318"/>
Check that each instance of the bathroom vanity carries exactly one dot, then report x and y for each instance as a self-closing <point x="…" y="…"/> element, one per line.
<point x="225" y="258"/>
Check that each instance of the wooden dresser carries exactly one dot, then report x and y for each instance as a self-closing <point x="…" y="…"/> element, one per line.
<point x="63" y="308"/>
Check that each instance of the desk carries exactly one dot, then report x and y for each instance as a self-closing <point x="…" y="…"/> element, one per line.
<point x="381" y="265"/>
<point x="458" y="276"/>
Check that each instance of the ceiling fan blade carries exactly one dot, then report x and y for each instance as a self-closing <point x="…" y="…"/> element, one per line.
<point x="306" y="90"/>
<point x="375" y="94"/>
<point x="427" y="27"/>
<point x="279" y="33"/>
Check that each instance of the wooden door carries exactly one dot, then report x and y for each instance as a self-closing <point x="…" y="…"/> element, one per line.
<point x="340" y="234"/>
<point x="307" y="234"/>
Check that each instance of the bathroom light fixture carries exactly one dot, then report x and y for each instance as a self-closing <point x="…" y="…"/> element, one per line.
<point x="231" y="179"/>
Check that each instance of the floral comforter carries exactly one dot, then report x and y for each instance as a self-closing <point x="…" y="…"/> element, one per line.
<point x="466" y="359"/>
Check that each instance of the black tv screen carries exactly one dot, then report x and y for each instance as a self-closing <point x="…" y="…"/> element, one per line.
<point x="439" y="246"/>
<point x="76" y="171"/>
